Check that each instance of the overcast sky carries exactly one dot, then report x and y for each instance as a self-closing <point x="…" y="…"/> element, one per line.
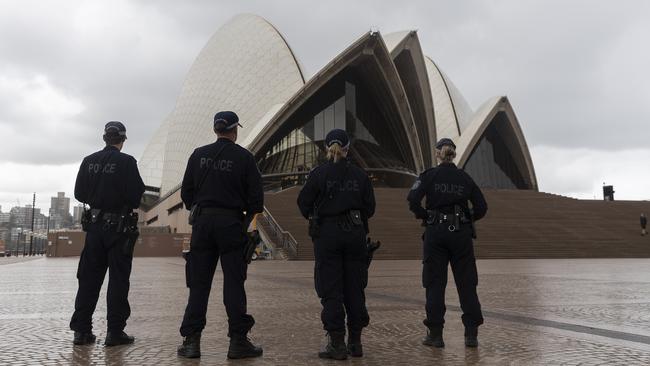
<point x="577" y="74"/>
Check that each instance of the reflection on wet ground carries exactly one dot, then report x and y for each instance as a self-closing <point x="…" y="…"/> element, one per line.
<point x="594" y="311"/>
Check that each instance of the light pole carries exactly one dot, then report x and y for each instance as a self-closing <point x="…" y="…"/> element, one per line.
<point x="31" y="237"/>
<point x="18" y="231"/>
<point x="25" y="242"/>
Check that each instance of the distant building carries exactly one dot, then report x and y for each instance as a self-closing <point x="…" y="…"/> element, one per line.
<point x="60" y="203"/>
<point x="21" y="217"/>
<point x="76" y="214"/>
<point x="5" y="220"/>
<point x="5" y="234"/>
<point x="60" y="211"/>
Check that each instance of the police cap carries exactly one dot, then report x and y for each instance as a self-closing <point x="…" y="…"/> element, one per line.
<point x="445" y="141"/>
<point x="115" y="128"/>
<point x="337" y="136"/>
<point x="226" y="120"/>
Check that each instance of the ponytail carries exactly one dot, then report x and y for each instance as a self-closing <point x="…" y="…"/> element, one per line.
<point x="335" y="152"/>
<point x="446" y="154"/>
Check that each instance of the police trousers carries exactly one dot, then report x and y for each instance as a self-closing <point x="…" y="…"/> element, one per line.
<point x="341" y="276"/>
<point x="441" y="248"/>
<point x="103" y="250"/>
<point x="214" y="238"/>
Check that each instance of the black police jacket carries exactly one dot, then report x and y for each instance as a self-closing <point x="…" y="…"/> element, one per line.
<point x="109" y="180"/>
<point x="444" y="187"/>
<point x="337" y="188"/>
<point x="233" y="180"/>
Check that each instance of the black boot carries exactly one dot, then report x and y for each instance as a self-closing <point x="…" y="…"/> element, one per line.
<point x="434" y="338"/>
<point x="471" y="337"/>
<point x="82" y="338"/>
<point x="117" y="339"/>
<point x="355" y="349"/>
<point x="241" y="347"/>
<point x="335" y="348"/>
<point x="191" y="347"/>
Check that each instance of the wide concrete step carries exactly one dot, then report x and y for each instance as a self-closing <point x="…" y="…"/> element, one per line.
<point x="519" y="224"/>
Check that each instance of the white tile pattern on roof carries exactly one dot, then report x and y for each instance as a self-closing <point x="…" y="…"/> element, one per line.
<point x="443" y="108"/>
<point x="153" y="158"/>
<point x="245" y="67"/>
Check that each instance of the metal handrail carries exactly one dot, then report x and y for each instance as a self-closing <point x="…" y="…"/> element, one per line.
<point x="287" y="241"/>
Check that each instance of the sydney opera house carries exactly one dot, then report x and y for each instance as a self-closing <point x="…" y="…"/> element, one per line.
<point x="393" y="100"/>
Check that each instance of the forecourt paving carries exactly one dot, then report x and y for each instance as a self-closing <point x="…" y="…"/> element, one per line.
<point x="537" y="312"/>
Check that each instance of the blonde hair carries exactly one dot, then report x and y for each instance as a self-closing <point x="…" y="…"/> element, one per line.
<point x="446" y="154"/>
<point x="335" y="152"/>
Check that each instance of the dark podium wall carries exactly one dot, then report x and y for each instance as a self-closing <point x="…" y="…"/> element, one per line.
<point x="70" y="244"/>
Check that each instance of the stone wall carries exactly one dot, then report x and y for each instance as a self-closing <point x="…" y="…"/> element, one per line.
<point x="70" y="244"/>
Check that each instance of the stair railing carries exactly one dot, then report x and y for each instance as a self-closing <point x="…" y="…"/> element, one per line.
<point x="284" y="238"/>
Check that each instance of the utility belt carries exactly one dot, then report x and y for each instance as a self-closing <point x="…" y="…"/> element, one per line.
<point x="454" y="220"/>
<point x="124" y="222"/>
<point x="346" y="221"/>
<point x="197" y="211"/>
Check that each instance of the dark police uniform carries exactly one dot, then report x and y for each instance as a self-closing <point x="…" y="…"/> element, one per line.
<point x="340" y="250"/>
<point x="444" y="187"/>
<point x="108" y="180"/>
<point x="232" y="186"/>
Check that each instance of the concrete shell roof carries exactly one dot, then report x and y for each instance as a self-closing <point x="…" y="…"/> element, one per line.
<point x="153" y="158"/>
<point x="392" y="40"/>
<point x="481" y="121"/>
<point x="452" y="112"/>
<point x="369" y="45"/>
<point x="247" y="67"/>
<point x="405" y="49"/>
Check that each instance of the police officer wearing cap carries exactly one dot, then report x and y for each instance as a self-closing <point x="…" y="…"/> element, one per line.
<point x="222" y="188"/>
<point x="110" y="183"/>
<point x="338" y="199"/>
<point x="448" y="240"/>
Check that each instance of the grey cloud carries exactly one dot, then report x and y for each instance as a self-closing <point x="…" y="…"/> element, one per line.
<point x="551" y="58"/>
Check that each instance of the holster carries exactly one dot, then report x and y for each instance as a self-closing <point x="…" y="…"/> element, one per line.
<point x="314" y="227"/>
<point x="355" y="217"/>
<point x="349" y="220"/>
<point x="432" y="215"/>
<point x="129" y="225"/>
<point x="86" y="218"/>
<point x="371" y="247"/>
<point x="129" y="245"/>
<point x="195" y="211"/>
<point x="471" y="221"/>
<point x="253" y="239"/>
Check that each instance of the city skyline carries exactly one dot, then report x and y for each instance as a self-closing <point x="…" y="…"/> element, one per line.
<point x="45" y="209"/>
<point x="574" y="73"/>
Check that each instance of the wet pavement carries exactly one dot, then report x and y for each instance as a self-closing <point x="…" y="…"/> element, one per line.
<point x="537" y="312"/>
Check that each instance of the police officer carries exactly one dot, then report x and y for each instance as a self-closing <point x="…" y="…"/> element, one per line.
<point x="448" y="239"/>
<point x="110" y="183"/>
<point x="338" y="199"/>
<point x="222" y="188"/>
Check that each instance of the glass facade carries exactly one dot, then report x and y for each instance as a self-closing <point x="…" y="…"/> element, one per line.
<point x="492" y="164"/>
<point x="344" y="105"/>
